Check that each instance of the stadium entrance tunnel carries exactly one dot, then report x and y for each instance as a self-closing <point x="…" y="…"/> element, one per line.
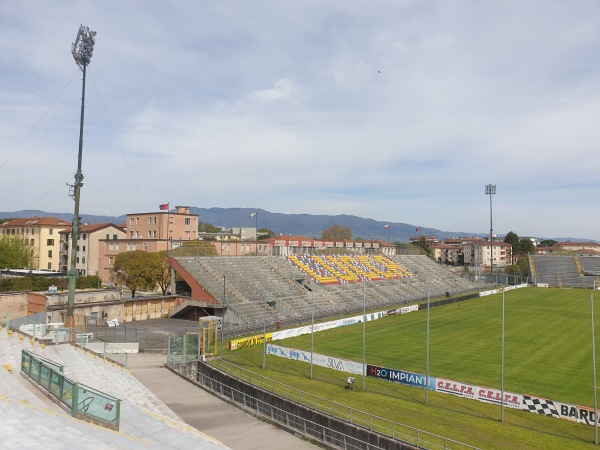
<point x="193" y="310"/>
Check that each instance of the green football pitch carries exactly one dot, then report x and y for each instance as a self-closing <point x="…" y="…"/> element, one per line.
<point x="548" y="353"/>
<point x="547" y="342"/>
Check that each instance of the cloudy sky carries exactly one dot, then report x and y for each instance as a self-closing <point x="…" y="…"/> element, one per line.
<point x="398" y="111"/>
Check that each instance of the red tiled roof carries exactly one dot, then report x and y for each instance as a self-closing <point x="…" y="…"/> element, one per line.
<point x="35" y="221"/>
<point x="90" y="228"/>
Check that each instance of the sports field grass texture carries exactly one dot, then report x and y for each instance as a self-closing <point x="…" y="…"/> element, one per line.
<point x="547" y="342"/>
<point x="547" y="353"/>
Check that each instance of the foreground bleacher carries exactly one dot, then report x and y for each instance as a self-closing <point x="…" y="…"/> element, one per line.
<point x="29" y="419"/>
<point x="290" y="290"/>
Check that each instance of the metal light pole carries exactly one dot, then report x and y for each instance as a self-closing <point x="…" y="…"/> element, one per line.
<point x="312" y="333"/>
<point x="427" y="353"/>
<point x="502" y="370"/>
<point x="82" y="51"/>
<point x="594" y="368"/>
<point x="490" y="189"/>
<point x="264" y="336"/>
<point x="223" y="323"/>
<point x="364" y="331"/>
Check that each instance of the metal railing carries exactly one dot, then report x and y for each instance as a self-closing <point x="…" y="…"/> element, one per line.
<point x="178" y="359"/>
<point x="83" y="401"/>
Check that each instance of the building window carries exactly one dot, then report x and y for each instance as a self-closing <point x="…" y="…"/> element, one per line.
<point x="83" y="260"/>
<point x="145" y="247"/>
<point x="133" y="247"/>
<point x="84" y="248"/>
<point x="50" y="242"/>
<point x="49" y="253"/>
<point x="32" y="242"/>
<point x="84" y="237"/>
<point x="49" y="266"/>
<point x="114" y="237"/>
<point x="131" y="221"/>
<point x="117" y="246"/>
<point x="78" y="260"/>
<point x="111" y="259"/>
<point x="111" y="247"/>
<point x="51" y="231"/>
<point x="188" y="221"/>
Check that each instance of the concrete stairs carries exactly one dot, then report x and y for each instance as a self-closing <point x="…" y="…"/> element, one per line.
<point x="29" y="418"/>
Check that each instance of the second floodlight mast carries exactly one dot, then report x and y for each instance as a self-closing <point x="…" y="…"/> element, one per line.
<point x="82" y="51"/>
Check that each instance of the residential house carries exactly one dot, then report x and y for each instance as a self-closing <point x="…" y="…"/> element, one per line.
<point x="41" y="233"/>
<point x="88" y="246"/>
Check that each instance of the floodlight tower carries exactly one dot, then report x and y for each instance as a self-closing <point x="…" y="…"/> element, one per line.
<point x="490" y="189"/>
<point x="82" y="51"/>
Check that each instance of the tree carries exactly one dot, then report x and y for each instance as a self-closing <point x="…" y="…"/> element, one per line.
<point x="208" y="228"/>
<point x="264" y="233"/>
<point x="512" y="238"/>
<point x="422" y="243"/>
<point x="136" y="270"/>
<point x="196" y="248"/>
<point x="548" y="242"/>
<point x="15" y="252"/>
<point x="519" y="246"/>
<point x="163" y="271"/>
<point x="520" y="268"/>
<point x="337" y="233"/>
<point x="526" y="246"/>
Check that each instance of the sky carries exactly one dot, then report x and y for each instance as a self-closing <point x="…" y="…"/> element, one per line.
<point x="399" y="111"/>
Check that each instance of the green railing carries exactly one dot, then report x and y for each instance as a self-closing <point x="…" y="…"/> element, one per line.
<point x="84" y="402"/>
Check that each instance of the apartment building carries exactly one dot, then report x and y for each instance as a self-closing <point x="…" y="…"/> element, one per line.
<point x="88" y="246"/>
<point x="151" y="232"/>
<point x="481" y="253"/>
<point x="41" y="233"/>
<point x="178" y="226"/>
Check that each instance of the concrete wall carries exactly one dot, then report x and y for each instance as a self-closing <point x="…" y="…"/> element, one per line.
<point x="14" y="303"/>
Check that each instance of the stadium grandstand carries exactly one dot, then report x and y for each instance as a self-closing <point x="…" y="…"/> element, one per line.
<point x="291" y="289"/>
<point x="565" y="271"/>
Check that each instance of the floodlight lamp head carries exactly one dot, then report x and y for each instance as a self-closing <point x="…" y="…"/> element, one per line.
<point x="490" y="189"/>
<point x="83" y="47"/>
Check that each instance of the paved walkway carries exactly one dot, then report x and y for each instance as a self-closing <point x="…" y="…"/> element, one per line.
<point x="207" y="413"/>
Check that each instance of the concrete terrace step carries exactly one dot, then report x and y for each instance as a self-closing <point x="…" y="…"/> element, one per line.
<point x="30" y="419"/>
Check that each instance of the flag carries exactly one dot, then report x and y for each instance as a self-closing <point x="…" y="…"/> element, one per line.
<point x="418" y="230"/>
<point x="386" y="226"/>
<point x="164" y="207"/>
<point x="252" y="215"/>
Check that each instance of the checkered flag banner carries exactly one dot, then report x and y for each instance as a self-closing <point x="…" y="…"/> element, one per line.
<point x="540" y="406"/>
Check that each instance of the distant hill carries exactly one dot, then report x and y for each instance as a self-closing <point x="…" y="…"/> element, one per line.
<point x="286" y="224"/>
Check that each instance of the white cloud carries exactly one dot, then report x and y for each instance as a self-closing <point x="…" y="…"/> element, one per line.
<point x="399" y="111"/>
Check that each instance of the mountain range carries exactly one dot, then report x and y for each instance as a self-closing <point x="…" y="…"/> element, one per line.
<point x="308" y="225"/>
